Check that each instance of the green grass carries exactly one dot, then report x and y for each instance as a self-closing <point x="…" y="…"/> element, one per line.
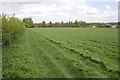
<point x="63" y="53"/>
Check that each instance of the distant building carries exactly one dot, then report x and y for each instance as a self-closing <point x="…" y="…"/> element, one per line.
<point x="93" y="26"/>
<point x="114" y="26"/>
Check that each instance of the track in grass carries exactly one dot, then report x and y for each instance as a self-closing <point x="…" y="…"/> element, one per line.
<point x="63" y="53"/>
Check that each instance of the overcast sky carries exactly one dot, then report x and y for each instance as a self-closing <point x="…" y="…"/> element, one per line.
<point x="63" y="10"/>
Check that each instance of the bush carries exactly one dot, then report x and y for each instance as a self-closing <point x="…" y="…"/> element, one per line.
<point x="11" y="28"/>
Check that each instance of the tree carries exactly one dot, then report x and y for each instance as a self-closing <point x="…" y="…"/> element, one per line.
<point x="76" y="23"/>
<point x="28" y="22"/>
<point x="44" y="24"/>
<point x="50" y="24"/>
<point x="11" y="28"/>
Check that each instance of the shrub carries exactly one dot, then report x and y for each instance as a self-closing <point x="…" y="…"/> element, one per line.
<point x="11" y="28"/>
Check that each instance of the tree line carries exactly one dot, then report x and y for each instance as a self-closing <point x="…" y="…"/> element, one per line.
<point x="30" y="24"/>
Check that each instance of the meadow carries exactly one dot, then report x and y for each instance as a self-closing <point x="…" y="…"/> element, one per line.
<point x="62" y="53"/>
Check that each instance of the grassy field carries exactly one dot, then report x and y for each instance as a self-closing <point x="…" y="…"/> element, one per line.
<point x="63" y="53"/>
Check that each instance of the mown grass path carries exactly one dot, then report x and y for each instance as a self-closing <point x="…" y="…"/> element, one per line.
<point x="62" y="53"/>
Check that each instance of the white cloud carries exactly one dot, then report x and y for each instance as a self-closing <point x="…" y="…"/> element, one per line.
<point x="107" y="7"/>
<point x="58" y="11"/>
<point x="55" y="0"/>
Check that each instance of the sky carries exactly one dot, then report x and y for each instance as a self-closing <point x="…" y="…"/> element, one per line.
<point x="62" y="10"/>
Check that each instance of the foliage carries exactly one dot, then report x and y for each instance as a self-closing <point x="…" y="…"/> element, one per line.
<point x="11" y="27"/>
<point x="44" y="24"/>
<point x="76" y="23"/>
<point x="0" y="31"/>
<point x="50" y="24"/>
<point x="28" y="22"/>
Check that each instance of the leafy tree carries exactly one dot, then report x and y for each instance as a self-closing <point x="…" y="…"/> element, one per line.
<point x="50" y="24"/>
<point x="11" y="28"/>
<point x="28" y="22"/>
<point x="44" y="24"/>
<point x="76" y="22"/>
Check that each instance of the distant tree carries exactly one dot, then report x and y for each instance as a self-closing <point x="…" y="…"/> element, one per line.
<point x="50" y="24"/>
<point x="44" y="24"/>
<point x="28" y="22"/>
<point x="82" y="24"/>
<point x="57" y="24"/>
<point x="62" y="24"/>
<point x="71" y="24"/>
<point x="76" y="23"/>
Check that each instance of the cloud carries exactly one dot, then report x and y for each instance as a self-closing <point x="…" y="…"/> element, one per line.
<point x="107" y="7"/>
<point x="59" y="11"/>
<point x="55" y="0"/>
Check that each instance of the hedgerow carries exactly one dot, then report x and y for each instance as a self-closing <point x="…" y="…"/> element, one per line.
<point x="11" y="28"/>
